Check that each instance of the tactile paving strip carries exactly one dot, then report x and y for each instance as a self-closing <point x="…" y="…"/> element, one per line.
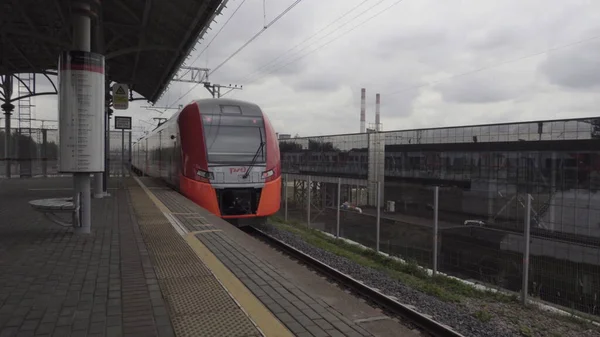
<point x="197" y="302"/>
<point x="231" y="325"/>
<point x="295" y="308"/>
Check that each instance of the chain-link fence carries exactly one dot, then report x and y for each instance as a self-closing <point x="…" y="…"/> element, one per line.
<point x="34" y="153"/>
<point x="483" y="177"/>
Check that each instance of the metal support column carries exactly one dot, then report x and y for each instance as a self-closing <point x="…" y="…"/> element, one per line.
<point x="97" y="37"/>
<point x="526" y="238"/>
<point x="81" y="181"/>
<point x="108" y="112"/>
<point x="122" y="170"/>
<point x="129" y="161"/>
<point x="7" y="108"/>
<point x="436" y="205"/>
<point x="98" y="185"/>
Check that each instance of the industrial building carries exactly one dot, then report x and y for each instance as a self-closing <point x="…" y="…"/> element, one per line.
<point x="484" y="174"/>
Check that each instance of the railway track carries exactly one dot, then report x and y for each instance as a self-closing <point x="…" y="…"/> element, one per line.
<point x="423" y="322"/>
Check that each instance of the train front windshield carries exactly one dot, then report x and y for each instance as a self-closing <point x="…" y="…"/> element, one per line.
<point x="234" y="139"/>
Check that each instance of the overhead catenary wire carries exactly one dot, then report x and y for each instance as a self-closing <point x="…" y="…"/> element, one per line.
<point x="209" y="43"/>
<point x="217" y="34"/>
<point x="242" y="47"/>
<point x="255" y="36"/>
<point x="305" y="40"/>
<point x="328" y="42"/>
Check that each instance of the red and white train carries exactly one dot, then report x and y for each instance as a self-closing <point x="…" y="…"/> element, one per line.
<point x="223" y="154"/>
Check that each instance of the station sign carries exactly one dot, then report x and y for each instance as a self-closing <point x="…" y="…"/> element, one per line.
<point x="120" y="93"/>
<point x="122" y="123"/>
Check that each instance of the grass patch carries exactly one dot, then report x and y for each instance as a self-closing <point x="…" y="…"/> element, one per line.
<point x="483" y="315"/>
<point x="445" y="288"/>
<point x="525" y="331"/>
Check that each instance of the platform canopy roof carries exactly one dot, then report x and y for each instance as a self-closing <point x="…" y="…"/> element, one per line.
<point x="144" y="41"/>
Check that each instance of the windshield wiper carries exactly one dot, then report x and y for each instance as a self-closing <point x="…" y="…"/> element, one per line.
<point x="253" y="160"/>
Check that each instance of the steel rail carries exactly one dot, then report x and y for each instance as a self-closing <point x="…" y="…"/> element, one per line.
<point x="424" y="322"/>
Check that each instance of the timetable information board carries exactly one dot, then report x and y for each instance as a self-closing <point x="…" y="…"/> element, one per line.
<point x="81" y="112"/>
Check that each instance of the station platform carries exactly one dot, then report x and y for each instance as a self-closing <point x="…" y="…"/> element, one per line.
<point x="156" y="264"/>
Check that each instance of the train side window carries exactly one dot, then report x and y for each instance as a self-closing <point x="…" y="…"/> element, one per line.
<point x="231" y="109"/>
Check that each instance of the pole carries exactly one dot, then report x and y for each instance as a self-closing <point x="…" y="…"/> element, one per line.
<point x="129" y="161"/>
<point x="122" y="154"/>
<point x="378" y="214"/>
<point x="436" y="196"/>
<point x="339" y="201"/>
<point x="308" y="203"/>
<point x="8" y="108"/>
<point x="145" y="159"/>
<point x="285" y="197"/>
<point x="106" y="149"/>
<point x="98" y="185"/>
<point x="526" y="237"/>
<point x="82" y="181"/>
<point x="99" y="177"/>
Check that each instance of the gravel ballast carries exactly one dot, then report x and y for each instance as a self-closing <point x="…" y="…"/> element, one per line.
<point x="447" y="313"/>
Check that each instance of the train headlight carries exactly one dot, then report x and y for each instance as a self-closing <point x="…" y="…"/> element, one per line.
<point x="268" y="174"/>
<point x="204" y="174"/>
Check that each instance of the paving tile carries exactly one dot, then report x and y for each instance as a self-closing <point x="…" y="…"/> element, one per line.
<point x="60" y="284"/>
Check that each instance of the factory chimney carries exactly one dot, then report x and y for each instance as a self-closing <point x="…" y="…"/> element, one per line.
<point x="377" y="116"/>
<point x="362" y="110"/>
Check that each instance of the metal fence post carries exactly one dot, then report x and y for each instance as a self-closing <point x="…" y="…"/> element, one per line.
<point x="378" y="213"/>
<point x="285" y="197"/>
<point x="129" y="162"/>
<point x="526" y="237"/>
<point x="308" y="191"/>
<point x="436" y="195"/>
<point x="339" y="201"/>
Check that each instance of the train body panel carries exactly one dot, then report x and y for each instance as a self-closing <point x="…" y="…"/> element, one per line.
<point x="222" y="154"/>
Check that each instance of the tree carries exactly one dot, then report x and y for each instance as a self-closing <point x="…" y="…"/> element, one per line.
<point x="317" y="145"/>
<point x="289" y="146"/>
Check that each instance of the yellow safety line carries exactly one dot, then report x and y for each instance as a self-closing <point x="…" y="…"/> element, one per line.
<point x="254" y="308"/>
<point x="154" y="199"/>
<point x="206" y="231"/>
<point x="264" y="319"/>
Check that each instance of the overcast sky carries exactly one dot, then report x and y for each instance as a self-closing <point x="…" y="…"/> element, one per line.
<point x="410" y="54"/>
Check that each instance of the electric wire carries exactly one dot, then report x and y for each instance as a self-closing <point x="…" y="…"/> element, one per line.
<point x="215" y="36"/>
<point x="242" y="47"/>
<point x="255" y="36"/>
<point x="328" y="42"/>
<point x="301" y="43"/>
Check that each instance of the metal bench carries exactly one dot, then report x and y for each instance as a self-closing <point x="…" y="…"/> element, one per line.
<point x="51" y="208"/>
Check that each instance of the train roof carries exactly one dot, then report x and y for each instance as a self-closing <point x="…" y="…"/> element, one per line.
<point x="215" y="105"/>
<point x="222" y="101"/>
<point x="204" y="104"/>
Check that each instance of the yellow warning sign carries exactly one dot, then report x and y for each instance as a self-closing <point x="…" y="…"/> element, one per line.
<point x="120" y="96"/>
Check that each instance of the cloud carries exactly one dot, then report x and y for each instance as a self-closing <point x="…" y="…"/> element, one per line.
<point x="411" y="54"/>
<point x="576" y="68"/>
